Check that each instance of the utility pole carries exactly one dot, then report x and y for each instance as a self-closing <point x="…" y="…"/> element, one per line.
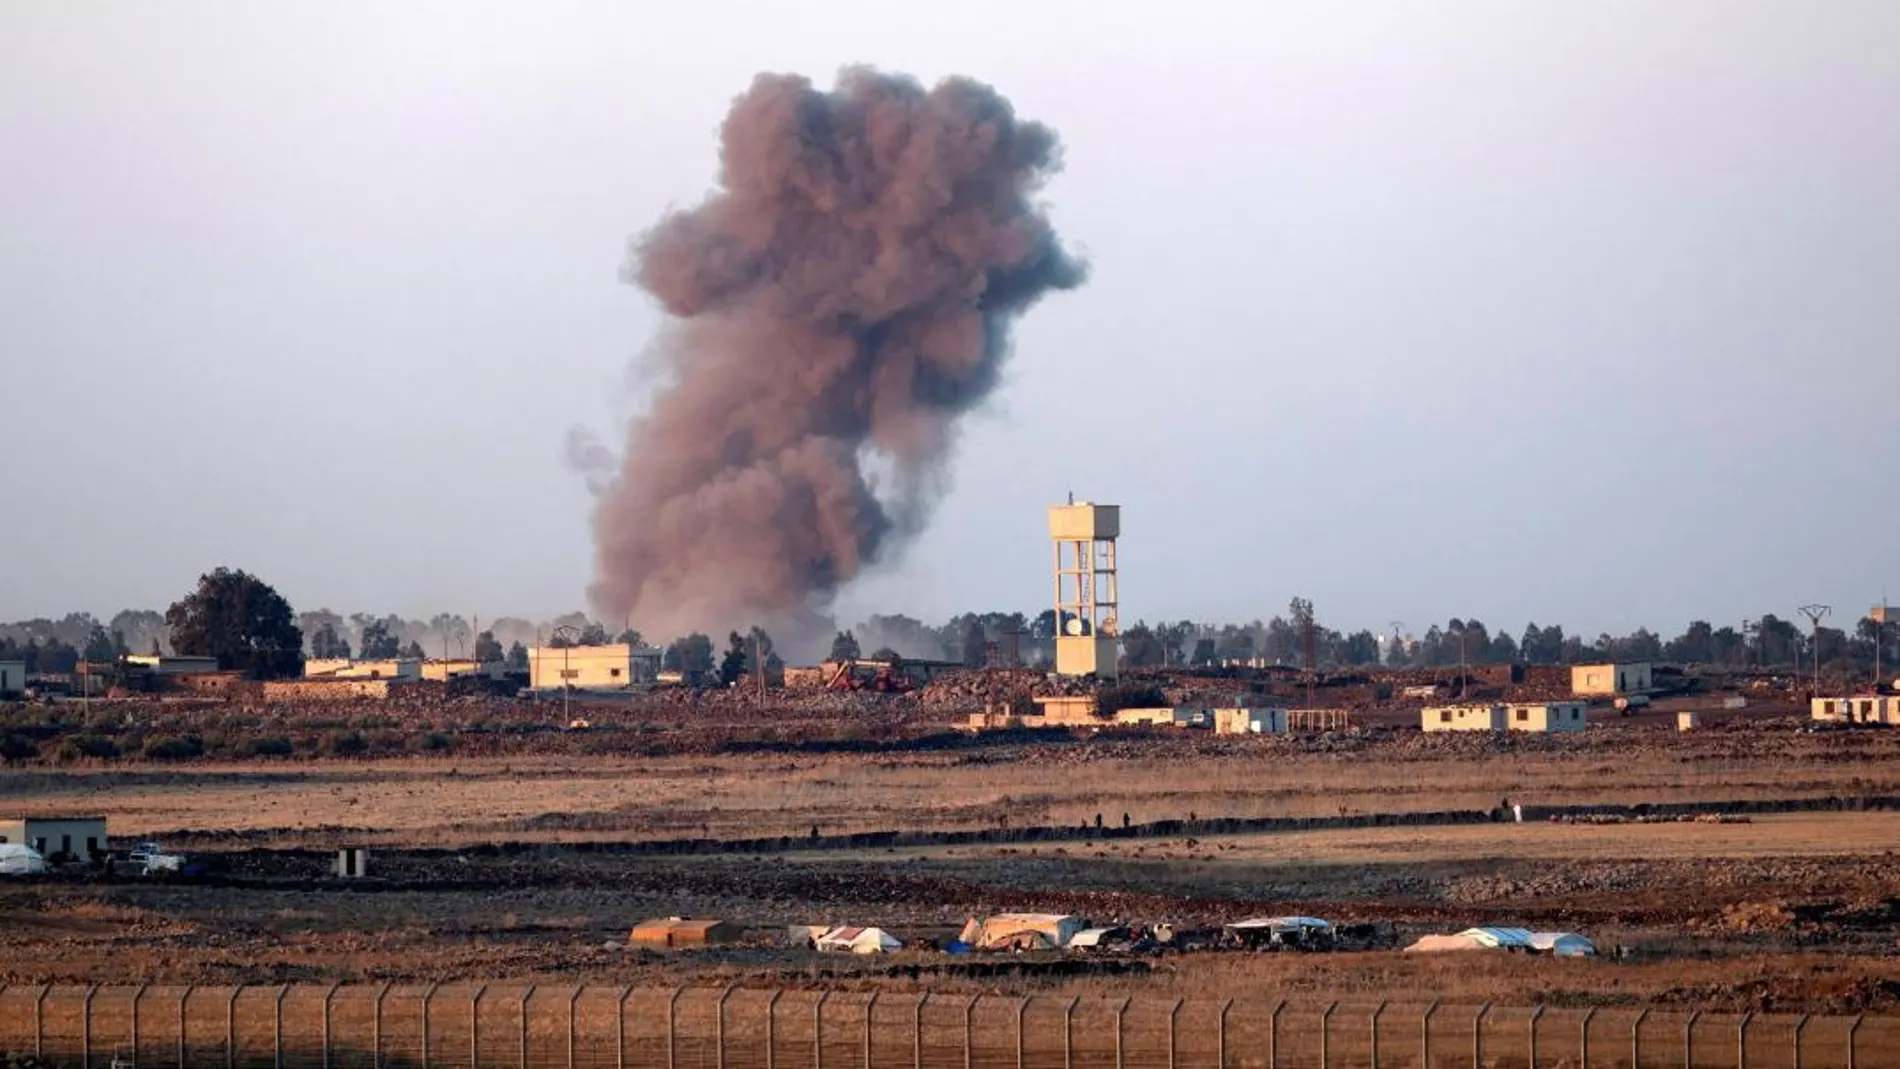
<point x="1815" y="614"/>
<point x="573" y="635"/>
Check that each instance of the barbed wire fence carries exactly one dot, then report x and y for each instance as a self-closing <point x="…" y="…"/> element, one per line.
<point x="517" y="1026"/>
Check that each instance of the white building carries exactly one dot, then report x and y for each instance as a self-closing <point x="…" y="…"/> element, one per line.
<point x="1250" y="721"/>
<point x="1548" y="716"/>
<point x="12" y="679"/>
<point x="1868" y="709"/>
<point x="582" y="667"/>
<point x="1463" y="718"/>
<point x="1590" y="680"/>
<point x="58" y="838"/>
<point x="174" y="666"/>
<point x="345" y="668"/>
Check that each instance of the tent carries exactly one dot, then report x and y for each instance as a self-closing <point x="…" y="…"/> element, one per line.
<point x="1486" y="938"/>
<point x="1563" y="944"/>
<point x="1022" y="931"/>
<point x="19" y="859"/>
<point x="1283" y="931"/>
<point x="849" y="940"/>
<point x="1096" y="938"/>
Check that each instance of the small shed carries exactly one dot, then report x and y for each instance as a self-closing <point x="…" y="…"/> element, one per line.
<point x="1688" y="720"/>
<point x="59" y="839"/>
<point x="668" y="933"/>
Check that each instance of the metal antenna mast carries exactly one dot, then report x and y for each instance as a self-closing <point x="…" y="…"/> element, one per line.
<point x="1815" y="614"/>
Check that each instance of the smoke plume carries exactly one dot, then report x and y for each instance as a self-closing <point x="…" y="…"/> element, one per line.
<point x="839" y="300"/>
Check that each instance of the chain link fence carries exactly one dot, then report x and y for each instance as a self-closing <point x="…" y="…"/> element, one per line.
<point x="515" y="1026"/>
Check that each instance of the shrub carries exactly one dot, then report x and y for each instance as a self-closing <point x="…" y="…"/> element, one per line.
<point x="174" y="747"/>
<point x="345" y="744"/>
<point x="82" y="747"/>
<point x="17" y="748"/>
<point x="430" y="742"/>
<point x="268" y="746"/>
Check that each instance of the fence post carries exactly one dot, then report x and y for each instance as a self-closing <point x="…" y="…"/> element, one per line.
<point x="39" y="1021"/>
<point x="376" y="1029"/>
<point x="1173" y="1015"/>
<point x="620" y="1030"/>
<point x="85" y="1029"/>
<point x="230" y="1028"/>
<point x="1425" y="1036"/>
<point x="1068" y="1034"/>
<point x="916" y="1032"/>
<point x="870" y="1012"/>
<point x="573" y="1012"/>
<point x="1800" y="1026"/>
<point x="771" y="1029"/>
<point x="327" y="996"/>
<point x="1377" y="1012"/>
<point x="672" y="1032"/>
<point x="136" y="996"/>
<point x="1220" y="1034"/>
<point x="1636" y="1039"/>
<point x="525" y="996"/>
<point x="818" y="1031"/>
<point x="1741" y="1041"/>
<point x="1583" y="1039"/>
<point x="474" y="1027"/>
<point x="428" y="996"/>
<point x="277" y="1027"/>
<point x="1273" y="1035"/>
<point x="1853" y="1030"/>
<point x="1022" y="1007"/>
<point x="1535" y="1014"/>
<point x="1325" y="1062"/>
<point x="969" y="1033"/>
<point x="1688" y="1040"/>
<point x="1121" y="1012"/>
<point x="182" y="999"/>
<point x="1477" y="1037"/>
<point x="719" y="1028"/>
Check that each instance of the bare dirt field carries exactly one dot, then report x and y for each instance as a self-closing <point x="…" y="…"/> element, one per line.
<point x="533" y="867"/>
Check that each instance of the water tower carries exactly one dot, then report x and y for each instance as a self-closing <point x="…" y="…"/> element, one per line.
<point x="1087" y="602"/>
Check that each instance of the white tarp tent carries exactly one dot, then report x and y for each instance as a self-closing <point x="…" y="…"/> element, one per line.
<point x="19" y="859"/>
<point x="848" y="940"/>
<point x="1487" y="938"/>
<point x="1562" y="944"/>
<point x="1022" y="931"/>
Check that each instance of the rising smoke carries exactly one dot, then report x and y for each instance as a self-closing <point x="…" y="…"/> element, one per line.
<point x="839" y="301"/>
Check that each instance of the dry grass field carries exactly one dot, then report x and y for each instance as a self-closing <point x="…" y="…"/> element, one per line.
<point x="498" y="868"/>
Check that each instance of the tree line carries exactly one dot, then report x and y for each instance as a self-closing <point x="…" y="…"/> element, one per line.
<point x="247" y="625"/>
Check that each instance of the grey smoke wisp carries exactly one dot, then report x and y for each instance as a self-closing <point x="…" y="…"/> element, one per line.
<point x="843" y="296"/>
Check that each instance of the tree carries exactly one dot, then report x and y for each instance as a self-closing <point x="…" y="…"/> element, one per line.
<point x="974" y="644"/>
<point x="593" y="634"/>
<point x="691" y="655"/>
<point x="517" y="658"/>
<point x="1140" y="647"/>
<point x="1361" y="648"/>
<point x="325" y="643"/>
<point x="413" y="651"/>
<point x="101" y="646"/>
<point x="733" y="664"/>
<point x="886" y="654"/>
<point x="632" y="638"/>
<point x="240" y="620"/>
<point x="844" y="646"/>
<point x="378" y="642"/>
<point x="487" y="648"/>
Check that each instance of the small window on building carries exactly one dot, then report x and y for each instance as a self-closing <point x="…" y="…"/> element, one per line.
<point x="1576" y="714"/>
<point x="65" y="844"/>
<point x="1523" y="714"/>
<point x="615" y="672"/>
<point x="92" y="845"/>
<point x="1828" y="708"/>
<point x="1866" y="707"/>
<point x="1444" y="716"/>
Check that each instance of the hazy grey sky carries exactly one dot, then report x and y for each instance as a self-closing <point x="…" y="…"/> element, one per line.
<point x="1581" y="312"/>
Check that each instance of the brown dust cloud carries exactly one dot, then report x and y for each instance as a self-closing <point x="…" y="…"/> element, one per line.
<point x="835" y="305"/>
